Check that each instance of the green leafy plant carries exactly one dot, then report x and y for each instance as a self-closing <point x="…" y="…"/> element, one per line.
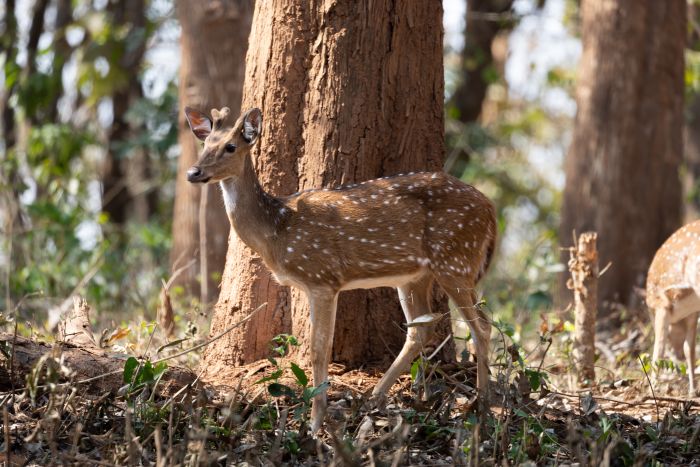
<point x="139" y="374"/>
<point x="301" y="397"/>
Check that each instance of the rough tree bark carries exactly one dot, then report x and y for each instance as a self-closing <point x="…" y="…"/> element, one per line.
<point x="213" y="46"/>
<point x="349" y="91"/>
<point x="622" y="177"/>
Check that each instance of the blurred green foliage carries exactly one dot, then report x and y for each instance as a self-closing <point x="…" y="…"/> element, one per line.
<point x="55" y="238"/>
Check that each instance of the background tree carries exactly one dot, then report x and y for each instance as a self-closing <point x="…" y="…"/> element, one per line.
<point x="622" y="175"/>
<point x="350" y="91"/>
<point x="73" y="103"/>
<point x="484" y="20"/>
<point x="691" y="131"/>
<point x="213" y="45"/>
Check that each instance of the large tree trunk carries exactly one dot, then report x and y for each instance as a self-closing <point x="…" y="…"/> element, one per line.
<point x="350" y="91"/>
<point x="622" y="177"/>
<point x="213" y="45"/>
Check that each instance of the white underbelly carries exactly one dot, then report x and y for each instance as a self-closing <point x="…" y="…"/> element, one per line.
<point x="385" y="281"/>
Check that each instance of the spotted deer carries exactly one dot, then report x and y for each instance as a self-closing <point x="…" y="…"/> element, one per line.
<point x="405" y="231"/>
<point x="673" y="295"/>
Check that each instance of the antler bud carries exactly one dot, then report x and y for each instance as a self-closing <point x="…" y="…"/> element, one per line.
<point x="219" y="116"/>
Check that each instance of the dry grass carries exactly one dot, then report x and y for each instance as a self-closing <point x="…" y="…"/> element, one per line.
<point x="427" y="420"/>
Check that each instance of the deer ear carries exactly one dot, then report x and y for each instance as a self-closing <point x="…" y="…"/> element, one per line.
<point x="199" y="123"/>
<point x="252" y="125"/>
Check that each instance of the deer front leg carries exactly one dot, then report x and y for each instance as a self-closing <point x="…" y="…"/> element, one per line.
<point x="323" y="305"/>
<point x="660" y="338"/>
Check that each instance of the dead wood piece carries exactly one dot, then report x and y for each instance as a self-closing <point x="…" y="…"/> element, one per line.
<point x="75" y="328"/>
<point x="583" y="266"/>
<point x="87" y="363"/>
<point x="166" y="316"/>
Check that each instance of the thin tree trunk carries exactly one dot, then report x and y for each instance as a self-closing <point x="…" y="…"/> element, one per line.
<point x="477" y="66"/>
<point x="350" y="91"/>
<point x="622" y="177"/>
<point x="691" y="130"/>
<point x="117" y="201"/>
<point x="8" y="40"/>
<point x="62" y="52"/>
<point x="10" y="203"/>
<point x="691" y="159"/>
<point x="214" y="42"/>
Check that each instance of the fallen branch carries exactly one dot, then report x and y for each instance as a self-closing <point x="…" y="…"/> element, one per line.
<point x="90" y="365"/>
<point x="93" y="365"/>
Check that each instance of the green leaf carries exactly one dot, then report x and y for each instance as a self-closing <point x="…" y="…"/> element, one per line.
<point x="129" y="368"/>
<point x="535" y="379"/>
<point x="309" y="393"/>
<point x="160" y="369"/>
<point x="414" y="369"/>
<point x="273" y="377"/>
<point x="145" y="374"/>
<point x="279" y="390"/>
<point x="302" y="379"/>
<point x="171" y="344"/>
<point x="323" y="387"/>
<point x="651" y="433"/>
<point x="299" y="412"/>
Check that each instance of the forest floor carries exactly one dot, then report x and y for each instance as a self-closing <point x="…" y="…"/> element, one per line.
<point x="428" y="419"/>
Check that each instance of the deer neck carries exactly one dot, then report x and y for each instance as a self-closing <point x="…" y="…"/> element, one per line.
<point x="253" y="213"/>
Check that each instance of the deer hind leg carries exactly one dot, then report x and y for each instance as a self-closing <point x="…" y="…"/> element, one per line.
<point x="688" y="310"/>
<point x="323" y="304"/>
<point x="415" y="301"/>
<point x="689" y="350"/>
<point x="464" y="298"/>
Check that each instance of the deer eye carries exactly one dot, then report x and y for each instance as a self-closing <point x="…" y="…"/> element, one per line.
<point x="230" y="147"/>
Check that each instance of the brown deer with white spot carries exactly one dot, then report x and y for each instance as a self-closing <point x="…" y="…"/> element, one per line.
<point x="405" y="231"/>
<point x="673" y="295"/>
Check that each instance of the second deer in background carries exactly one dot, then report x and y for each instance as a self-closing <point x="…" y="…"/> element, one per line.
<point x="673" y="295"/>
<point x="406" y="231"/>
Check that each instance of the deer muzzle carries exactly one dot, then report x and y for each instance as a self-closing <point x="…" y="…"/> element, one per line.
<point x="196" y="175"/>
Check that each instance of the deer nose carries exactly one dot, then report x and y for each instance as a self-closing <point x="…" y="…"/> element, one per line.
<point x="193" y="174"/>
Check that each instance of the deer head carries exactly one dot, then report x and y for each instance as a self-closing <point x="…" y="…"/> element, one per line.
<point x="225" y="148"/>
